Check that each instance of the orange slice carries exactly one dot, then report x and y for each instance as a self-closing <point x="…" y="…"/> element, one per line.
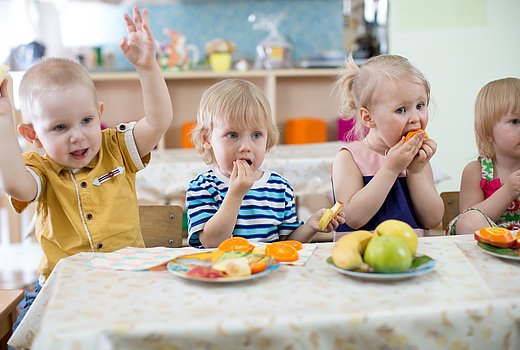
<point x="282" y="252"/>
<point x="292" y="243"/>
<point x="496" y="236"/>
<point x="258" y="266"/>
<point x="411" y="133"/>
<point x="236" y="244"/>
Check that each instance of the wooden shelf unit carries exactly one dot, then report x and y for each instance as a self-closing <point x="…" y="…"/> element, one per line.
<point x="293" y="93"/>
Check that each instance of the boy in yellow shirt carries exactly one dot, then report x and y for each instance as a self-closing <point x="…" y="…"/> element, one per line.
<point x="84" y="185"/>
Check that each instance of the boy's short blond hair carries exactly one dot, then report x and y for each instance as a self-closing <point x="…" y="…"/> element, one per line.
<point x="495" y="100"/>
<point x="51" y="75"/>
<point x="356" y="86"/>
<point x="235" y="101"/>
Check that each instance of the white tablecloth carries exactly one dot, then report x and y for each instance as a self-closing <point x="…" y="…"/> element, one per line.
<point x="470" y="301"/>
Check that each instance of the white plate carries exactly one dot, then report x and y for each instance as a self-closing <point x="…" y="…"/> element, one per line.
<point x="180" y="270"/>
<point x="421" y="270"/>
<point x="500" y="255"/>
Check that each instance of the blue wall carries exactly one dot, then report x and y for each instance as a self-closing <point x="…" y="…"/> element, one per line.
<point x="310" y="25"/>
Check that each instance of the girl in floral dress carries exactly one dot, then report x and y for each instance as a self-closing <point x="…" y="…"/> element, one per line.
<point x="490" y="185"/>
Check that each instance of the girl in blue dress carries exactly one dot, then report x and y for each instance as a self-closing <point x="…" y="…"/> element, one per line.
<point x="381" y="175"/>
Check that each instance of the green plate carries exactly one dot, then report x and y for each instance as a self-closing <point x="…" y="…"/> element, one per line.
<point x="506" y="253"/>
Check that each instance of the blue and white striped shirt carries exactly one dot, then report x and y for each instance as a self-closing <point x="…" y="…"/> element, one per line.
<point x="267" y="211"/>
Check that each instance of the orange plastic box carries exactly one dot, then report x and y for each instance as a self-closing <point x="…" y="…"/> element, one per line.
<point x="186" y="134"/>
<point x="305" y="130"/>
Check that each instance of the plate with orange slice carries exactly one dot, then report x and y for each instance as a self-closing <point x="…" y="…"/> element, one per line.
<point x="499" y="242"/>
<point x="220" y="266"/>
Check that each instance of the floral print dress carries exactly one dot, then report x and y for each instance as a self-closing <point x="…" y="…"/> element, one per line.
<point x="510" y="218"/>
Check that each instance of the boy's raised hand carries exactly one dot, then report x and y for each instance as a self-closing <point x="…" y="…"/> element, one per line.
<point x="139" y="47"/>
<point x="5" y="103"/>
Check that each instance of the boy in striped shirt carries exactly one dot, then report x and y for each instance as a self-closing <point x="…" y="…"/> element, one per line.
<point x="234" y="131"/>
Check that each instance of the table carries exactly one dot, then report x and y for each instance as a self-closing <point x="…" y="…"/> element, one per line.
<point x="9" y="299"/>
<point x="470" y="301"/>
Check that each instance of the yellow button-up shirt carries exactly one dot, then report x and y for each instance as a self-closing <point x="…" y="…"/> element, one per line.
<point x="93" y="209"/>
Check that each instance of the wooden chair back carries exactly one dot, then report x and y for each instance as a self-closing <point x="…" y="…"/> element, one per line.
<point x="161" y="225"/>
<point x="451" y="207"/>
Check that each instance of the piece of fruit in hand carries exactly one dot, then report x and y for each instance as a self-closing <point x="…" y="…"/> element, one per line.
<point x="410" y="134"/>
<point x="4" y="68"/>
<point x="329" y="214"/>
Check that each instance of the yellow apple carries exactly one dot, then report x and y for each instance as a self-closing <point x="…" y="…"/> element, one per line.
<point x="399" y="229"/>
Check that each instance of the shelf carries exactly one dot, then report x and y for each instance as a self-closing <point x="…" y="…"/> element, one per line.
<point x="292" y="93"/>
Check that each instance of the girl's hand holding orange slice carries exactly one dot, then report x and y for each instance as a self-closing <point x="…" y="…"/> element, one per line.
<point x="410" y="134"/>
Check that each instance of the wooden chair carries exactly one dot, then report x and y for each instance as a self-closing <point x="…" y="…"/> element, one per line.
<point x="451" y="207"/>
<point x="161" y="225"/>
<point x="9" y="299"/>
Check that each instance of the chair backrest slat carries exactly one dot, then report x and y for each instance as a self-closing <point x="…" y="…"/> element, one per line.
<point x="161" y="225"/>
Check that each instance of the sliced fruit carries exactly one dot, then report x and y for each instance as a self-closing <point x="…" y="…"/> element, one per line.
<point x="410" y="134"/>
<point x="293" y="243"/>
<point x="258" y="266"/>
<point x="234" y="267"/>
<point x="329" y="214"/>
<point x="282" y="252"/>
<point x="236" y="244"/>
<point x="205" y="272"/>
<point x="496" y="236"/>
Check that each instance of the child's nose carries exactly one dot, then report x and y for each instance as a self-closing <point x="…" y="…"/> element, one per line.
<point x="76" y="135"/>
<point x="245" y="145"/>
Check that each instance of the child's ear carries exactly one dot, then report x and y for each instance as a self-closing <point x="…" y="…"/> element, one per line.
<point x="366" y="118"/>
<point x="205" y="141"/>
<point x="28" y="133"/>
<point x="101" y="109"/>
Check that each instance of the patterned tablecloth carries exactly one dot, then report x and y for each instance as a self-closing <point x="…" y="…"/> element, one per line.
<point x="469" y="301"/>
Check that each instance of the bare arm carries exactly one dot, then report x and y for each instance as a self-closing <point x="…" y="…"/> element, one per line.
<point x="427" y="203"/>
<point x="471" y="194"/>
<point x="222" y="224"/>
<point x="14" y="178"/>
<point x="139" y="48"/>
<point x="305" y="232"/>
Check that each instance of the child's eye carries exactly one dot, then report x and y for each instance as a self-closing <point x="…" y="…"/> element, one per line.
<point x="400" y="110"/>
<point x="86" y="120"/>
<point x="420" y="106"/>
<point x="232" y="135"/>
<point x="59" y="127"/>
<point x="515" y="121"/>
<point x="256" y="135"/>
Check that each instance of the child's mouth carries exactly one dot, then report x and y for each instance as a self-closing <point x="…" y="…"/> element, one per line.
<point x="250" y="162"/>
<point x="79" y="154"/>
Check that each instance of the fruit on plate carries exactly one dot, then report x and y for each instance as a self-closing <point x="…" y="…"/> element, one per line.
<point x="496" y="236"/>
<point x="234" y="267"/>
<point x="205" y="272"/>
<point x="236" y="244"/>
<point x="329" y="214"/>
<point x="410" y="134"/>
<point x="293" y="243"/>
<point x="399" y="229"/>
<point x="348" y="250"/>
<point x="282" y="252"/>
<point x="388" y="254"/>
<point x="4" y="68"/>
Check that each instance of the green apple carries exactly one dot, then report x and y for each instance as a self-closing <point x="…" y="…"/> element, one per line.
<point x="388" y="254"/>
<point x="398" y="229"/>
